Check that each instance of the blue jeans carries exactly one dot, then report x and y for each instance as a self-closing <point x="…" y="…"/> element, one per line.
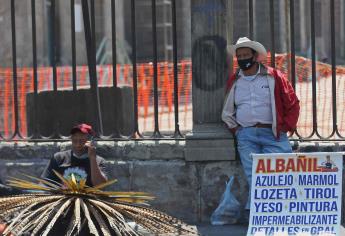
<point x="258" y="140"/>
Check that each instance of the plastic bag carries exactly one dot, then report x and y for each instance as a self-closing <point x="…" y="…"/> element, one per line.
<point x="229" y="209"/>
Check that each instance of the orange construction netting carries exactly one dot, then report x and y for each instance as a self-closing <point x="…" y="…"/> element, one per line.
<point x="25" y="81"/>
<point x="324" y="95"/>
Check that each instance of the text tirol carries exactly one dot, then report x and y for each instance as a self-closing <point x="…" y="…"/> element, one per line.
<point x="279" y="165"/>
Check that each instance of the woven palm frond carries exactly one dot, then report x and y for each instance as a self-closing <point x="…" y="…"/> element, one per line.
<point x="75" y="207"/>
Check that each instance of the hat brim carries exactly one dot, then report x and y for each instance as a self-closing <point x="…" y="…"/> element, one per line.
<point x="78" y="129"/>
<point x="258" y="47"/>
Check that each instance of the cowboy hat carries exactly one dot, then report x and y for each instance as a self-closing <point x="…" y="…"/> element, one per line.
<point x="245" y="42"/>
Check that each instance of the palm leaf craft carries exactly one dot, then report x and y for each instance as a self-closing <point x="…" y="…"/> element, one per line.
<point x="72" y="207"/>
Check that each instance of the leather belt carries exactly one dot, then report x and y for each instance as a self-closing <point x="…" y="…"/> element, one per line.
<point x="259" y="125"/>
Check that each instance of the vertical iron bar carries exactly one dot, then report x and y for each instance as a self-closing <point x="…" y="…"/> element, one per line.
<point x="273" y="50"/>
<point x="177" y="132"/>
<point x="292" y="38"/>
<point x="155" y="75"/>
<point x="293" y="50"/>
<point x="93" y="30"/>
<point x="34" y="60"/>
<point x="74" y="64"/>
<point x="86" y="19"/>
<point x="312" y="32"/>
<point x="53" y="43"/>
<point x="53" y="62"/>
<point x="251" y="19"/>
<point x="113" y="41"/>
<point x="334" y="78"/>
<point x="134" y="65"/>
<point x="89" y="29"/>
<point x="95" y="79"/>
<point x="14" y="71"/>
<point x="114" y="52"/>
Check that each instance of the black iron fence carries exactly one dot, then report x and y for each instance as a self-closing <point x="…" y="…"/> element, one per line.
<point x="88" y="18"/>
<point x="315" y="132"/>
<point x="322" y="110"/>
<point x="177" y="74"/>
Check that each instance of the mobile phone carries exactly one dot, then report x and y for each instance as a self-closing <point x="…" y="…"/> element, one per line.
<point x="92" y="141"/>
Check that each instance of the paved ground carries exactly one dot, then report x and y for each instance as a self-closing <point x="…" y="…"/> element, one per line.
<point x="206" y="229"/>
<point x="225" y="230"/>
<point x="233" y="230"/>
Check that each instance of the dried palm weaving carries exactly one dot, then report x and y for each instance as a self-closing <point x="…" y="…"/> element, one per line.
<point x="104" y="213"/>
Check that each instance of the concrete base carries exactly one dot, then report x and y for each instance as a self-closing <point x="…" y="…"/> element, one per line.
<point x="189" y="190"/>
<point x="210" y="142"/>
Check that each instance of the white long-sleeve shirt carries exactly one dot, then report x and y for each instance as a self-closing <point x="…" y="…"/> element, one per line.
<point x="252" y="100"/>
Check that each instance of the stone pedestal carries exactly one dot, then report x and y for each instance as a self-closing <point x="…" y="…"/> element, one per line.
<point x="209" y="142"/>
<point x="210" y="139"/>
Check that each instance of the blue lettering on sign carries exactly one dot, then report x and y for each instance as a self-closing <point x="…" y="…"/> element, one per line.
<point x="273" y="193"/>
<point x="316" y="193"/>
<point x="322" y="229"/>
<point x="263" y="207"/>
<point x="268" y="230"/>
<point x="292" y="230"/>
<point x="274" y="180"/>
<point x="313" y="206"/>
<point x="295" y="219"/>
<point x="305" y="230"/>
<point x="322" y="179"/>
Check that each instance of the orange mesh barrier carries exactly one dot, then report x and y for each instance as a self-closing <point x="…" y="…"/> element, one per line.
<point x="7" y="103"/>
<point x="324" y="94"/>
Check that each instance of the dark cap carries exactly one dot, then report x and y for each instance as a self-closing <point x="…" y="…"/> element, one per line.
<point x="83" y="128"/>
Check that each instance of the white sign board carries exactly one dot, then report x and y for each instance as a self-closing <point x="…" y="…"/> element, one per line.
<point x="296" y="194"/>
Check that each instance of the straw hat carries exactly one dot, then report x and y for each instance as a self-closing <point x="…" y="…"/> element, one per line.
<point x="245" y="42"/>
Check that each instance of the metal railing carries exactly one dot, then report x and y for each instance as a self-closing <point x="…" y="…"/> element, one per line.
<point x="88" y="10"/>
<point x="315" y="132"/>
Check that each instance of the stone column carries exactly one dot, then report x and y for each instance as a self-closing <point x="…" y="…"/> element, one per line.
<point x="209" y="139"/>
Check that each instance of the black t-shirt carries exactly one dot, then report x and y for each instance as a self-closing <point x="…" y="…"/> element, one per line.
<point x="65" y="163"/>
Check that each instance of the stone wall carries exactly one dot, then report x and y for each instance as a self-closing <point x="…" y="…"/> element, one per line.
<point x="189" y="190"/>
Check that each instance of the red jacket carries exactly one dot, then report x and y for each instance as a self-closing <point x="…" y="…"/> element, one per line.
<point x="286" y="109"/>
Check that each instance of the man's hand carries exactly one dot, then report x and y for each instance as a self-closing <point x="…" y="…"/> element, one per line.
<point x="97" y="176"/>
<point x="3" y="227"/>
<point x="91" y="150"/>
<point x="233" y="130"/>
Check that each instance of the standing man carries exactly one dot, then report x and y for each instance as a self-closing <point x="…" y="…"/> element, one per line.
<point x="260" y="106"/>
<point x="81" y="161"/>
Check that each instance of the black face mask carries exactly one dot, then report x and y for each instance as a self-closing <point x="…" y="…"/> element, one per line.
<point x="246" y="64"/>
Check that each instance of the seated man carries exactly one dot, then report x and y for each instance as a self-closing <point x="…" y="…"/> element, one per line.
<point x="81" y="161"/>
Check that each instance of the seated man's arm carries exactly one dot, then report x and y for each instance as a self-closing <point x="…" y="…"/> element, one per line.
<point x="48" y="170"/>
<point x="97" y="176"/>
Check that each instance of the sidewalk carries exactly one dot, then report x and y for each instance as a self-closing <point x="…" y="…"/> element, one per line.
<point x="224" y="230"/>
<point x="232" y="230"/>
